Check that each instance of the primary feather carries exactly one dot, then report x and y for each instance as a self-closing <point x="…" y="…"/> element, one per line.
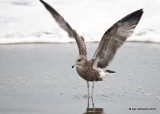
<point x="65" y="26"/>
<point x="115" y="37"/>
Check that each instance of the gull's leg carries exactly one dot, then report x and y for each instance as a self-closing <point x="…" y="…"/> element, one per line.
<point x="88" y="105"/>
<point x="88" y="87"/>
<point x="93" y="103"/>
<point x="92" y="88"/>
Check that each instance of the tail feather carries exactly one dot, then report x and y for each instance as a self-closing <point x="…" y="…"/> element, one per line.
<point x="110" y="71"/>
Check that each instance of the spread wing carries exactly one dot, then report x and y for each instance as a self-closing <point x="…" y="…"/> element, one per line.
<point x="65" y="26"/>
<point x="115" y="37"/>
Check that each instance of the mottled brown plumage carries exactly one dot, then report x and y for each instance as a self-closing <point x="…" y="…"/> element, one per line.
<point x="113" y="38"/>
<point x="86" y="71"/>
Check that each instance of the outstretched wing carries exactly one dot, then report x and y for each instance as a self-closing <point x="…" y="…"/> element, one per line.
<point x="114" y="37"/>
<point x="65" y="26"/>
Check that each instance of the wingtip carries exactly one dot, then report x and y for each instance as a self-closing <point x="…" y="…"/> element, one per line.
<point x="43" y="2"/>
<point x="141" y="10"/>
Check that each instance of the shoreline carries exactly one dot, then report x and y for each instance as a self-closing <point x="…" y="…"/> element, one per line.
<point x="46" y="42"/>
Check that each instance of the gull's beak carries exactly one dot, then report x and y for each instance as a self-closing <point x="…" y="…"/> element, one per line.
<point x="73" y="66"/>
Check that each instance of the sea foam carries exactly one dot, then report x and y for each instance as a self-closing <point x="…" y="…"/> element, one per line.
<point x="28" y="21"/>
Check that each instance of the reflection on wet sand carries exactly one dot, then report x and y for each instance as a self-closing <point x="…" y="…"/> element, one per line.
<point x="93" y="109"/>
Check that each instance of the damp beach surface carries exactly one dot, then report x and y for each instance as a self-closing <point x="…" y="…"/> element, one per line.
<point x="38" y="79"/>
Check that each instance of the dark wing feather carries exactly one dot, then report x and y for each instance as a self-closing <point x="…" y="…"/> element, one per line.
<point x="115" y="37"/>
<point x="65" y="26"/>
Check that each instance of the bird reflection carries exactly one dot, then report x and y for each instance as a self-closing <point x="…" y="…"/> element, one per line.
<point x="93" y="109"/>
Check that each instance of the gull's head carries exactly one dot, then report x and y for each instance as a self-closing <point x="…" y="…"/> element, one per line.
<point x="80" y="61"/>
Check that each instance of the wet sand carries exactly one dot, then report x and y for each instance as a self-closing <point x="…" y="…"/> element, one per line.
<point x="38" y="79"/>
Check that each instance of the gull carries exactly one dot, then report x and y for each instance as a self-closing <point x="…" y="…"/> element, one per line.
<point x="96" y="69"/>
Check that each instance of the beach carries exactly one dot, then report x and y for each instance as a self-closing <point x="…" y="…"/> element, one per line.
<point x="36" y="58"/>
<point x="38" y="79"/>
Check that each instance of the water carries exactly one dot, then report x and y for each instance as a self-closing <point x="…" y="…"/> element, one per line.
<point x="28" y="21"/>
<point x="38" y="79"/>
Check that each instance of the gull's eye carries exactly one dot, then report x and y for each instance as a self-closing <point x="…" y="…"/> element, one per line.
<point x="79" y="60"/>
